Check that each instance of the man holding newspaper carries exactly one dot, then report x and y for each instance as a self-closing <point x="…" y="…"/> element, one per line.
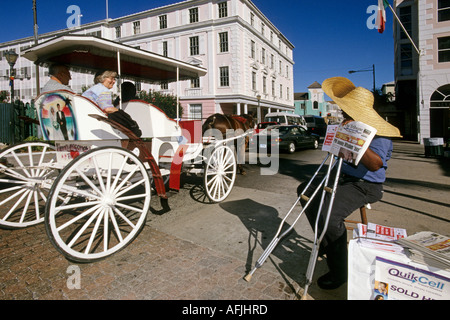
<point x="362" y="175"/>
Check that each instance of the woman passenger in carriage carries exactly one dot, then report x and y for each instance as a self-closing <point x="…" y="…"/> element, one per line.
<point x="101" y="93"/>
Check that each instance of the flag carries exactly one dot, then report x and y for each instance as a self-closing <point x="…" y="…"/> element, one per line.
<point x="381" y="17"/>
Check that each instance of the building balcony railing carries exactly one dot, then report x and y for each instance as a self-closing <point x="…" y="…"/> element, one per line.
<point x="193" y="92"/>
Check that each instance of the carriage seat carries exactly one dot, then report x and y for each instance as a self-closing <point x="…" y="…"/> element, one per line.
<point x="77" y="124"/>
<point x="152" y="121"/>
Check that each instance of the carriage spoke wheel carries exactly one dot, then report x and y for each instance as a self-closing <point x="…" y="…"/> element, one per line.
<point x="110" y="198"/>
<point x="219" y="173"/>
<point x="23" y="170"/>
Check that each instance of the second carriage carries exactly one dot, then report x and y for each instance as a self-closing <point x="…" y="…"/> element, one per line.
<point x="93" y="187"/>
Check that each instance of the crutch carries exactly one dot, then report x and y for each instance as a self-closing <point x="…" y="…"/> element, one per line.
<point x="278" y="236"/>
<point x="318" y="239"/>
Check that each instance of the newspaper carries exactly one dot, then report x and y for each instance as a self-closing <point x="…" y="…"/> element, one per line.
<point x="376" y="231"/>
<point x="428" y="248"/>
<point x="329" y="136"/>
<point x="349" y="141"/>
<point x="379" y="237"/>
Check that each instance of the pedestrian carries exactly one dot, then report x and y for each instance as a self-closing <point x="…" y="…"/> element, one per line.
<point x="358" y="185"/>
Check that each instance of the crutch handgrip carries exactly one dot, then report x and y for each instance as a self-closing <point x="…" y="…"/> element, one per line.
<point x="328" y="189"/>
<point x="304" y="197"/>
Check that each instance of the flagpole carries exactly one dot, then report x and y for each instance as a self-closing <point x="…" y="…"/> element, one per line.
<point x="419" y="52"/>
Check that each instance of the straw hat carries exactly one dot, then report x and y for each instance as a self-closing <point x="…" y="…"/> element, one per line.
<point x="357" y="102"/>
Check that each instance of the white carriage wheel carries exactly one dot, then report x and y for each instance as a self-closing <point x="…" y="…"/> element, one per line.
<point x="23" y="170"/>
<point x="220" y="173"/>
<point x="110" y="198"/>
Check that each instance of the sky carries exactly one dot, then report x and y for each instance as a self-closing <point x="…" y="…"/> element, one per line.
<point x="330" y="37"/>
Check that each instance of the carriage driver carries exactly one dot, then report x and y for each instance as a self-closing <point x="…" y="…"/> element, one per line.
<point x="59" y="78"/>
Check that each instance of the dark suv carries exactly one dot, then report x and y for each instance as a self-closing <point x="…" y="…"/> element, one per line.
<point x="316" y="125"/>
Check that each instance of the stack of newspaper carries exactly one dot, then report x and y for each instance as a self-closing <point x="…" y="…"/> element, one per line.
<point x="379" y="237"/>
<point x="428" y="248"/>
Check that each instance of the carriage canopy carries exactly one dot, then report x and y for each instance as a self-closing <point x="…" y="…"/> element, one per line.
<point x="88" y="54"/>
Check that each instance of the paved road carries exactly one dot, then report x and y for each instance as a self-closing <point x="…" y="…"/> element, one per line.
<point x="201" y="251"/>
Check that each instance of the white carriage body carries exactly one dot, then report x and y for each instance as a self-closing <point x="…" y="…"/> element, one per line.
<point x="83" y="132"/>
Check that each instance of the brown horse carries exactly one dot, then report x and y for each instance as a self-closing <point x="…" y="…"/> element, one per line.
<point x="240" y="124"/>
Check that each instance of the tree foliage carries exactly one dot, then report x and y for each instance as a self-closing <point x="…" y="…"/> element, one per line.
<point x="166" y="102"/>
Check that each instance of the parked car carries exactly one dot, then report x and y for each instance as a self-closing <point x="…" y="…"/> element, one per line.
<point x="316" y="125"/>
<point x="263" y="125"/>
<point x="290" y="138"/>
<point x="285" y="118"/>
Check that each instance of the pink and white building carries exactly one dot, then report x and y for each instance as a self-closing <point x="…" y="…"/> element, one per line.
<point x="248" y="60"/>
<point x="423" y="80"/>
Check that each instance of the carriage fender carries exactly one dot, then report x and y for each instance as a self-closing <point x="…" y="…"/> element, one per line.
<point x="175" y="168"/>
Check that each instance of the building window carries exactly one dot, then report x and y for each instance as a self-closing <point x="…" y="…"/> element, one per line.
<point x="288" y="93"/>
<point x="118" y="32"/>
<point x="272" y="61"/>
<point x="444" y="49"/>
<point x="441" y="97"/>
<point x="163" y="22"/>
<point x="224" y="77"/>
<point x="406" y="59"/>
<point x="164" y="85"/>
<point x="443" y="10"/>
<point x="195" y="83"/>
<point x="315" y="105"/>
<point x="137" y="27"/>
<point x="252" y="49"/>
<point x="223" y="41"/>
<point x="194" y="46"/>
<point x="195" y="111"/>
<point x="273" y="88"/>
<point x="264" y="85"/>
<point x="405" y="18"/>
<point x="263" y="56"/>
<point x="254" y="81"/>
<point x="263" y="26"/>
<point x="281" y="91"/>
<point x="252" y="19"/>
<point x="193" y="15"/>
<point x="165" y="50"/>
<point x="223" y="10"/>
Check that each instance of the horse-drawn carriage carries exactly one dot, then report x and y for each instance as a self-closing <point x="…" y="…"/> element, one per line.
<point x="92" y="187"/>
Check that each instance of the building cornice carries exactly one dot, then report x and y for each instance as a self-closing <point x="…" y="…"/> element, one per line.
<point x="52" y="34"/>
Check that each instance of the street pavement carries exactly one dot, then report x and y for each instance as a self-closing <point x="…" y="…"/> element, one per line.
<point x="201" y="251"/>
